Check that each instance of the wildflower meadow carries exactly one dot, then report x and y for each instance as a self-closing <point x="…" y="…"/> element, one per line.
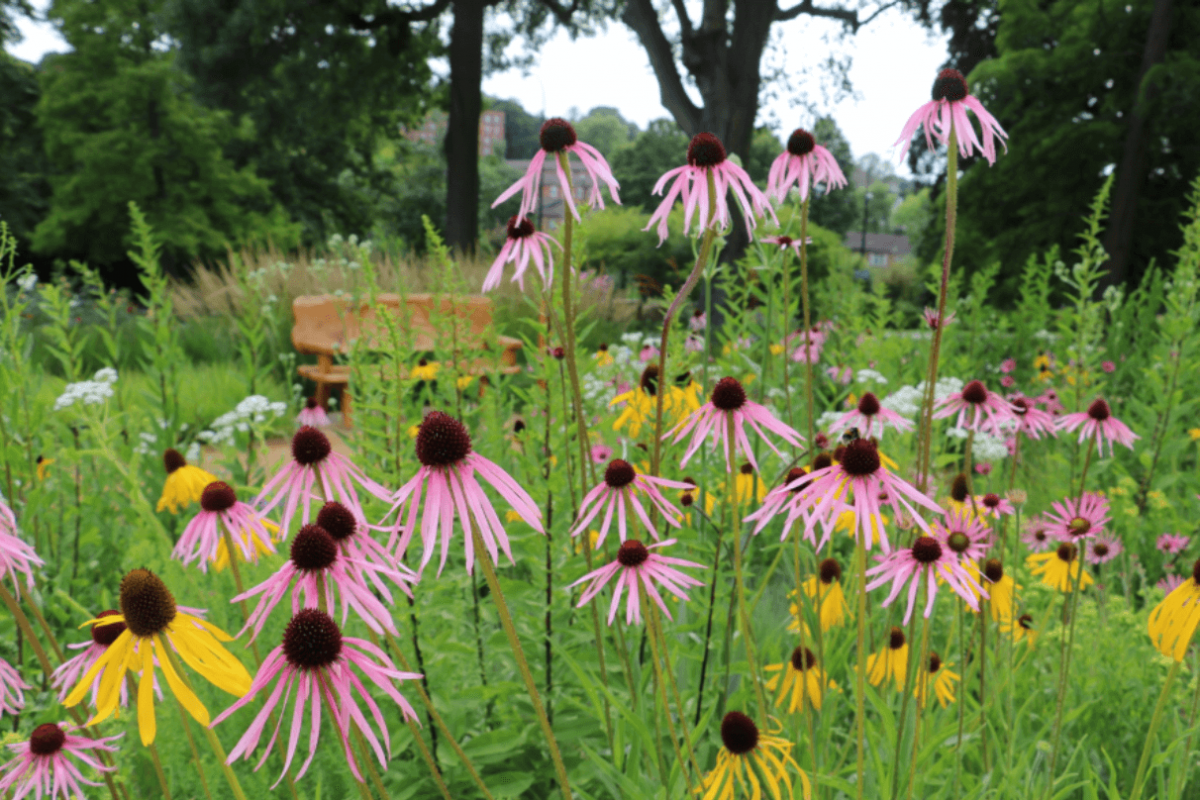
<point x="779" y="537"/>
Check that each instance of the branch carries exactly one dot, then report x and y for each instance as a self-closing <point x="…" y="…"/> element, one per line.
<point x="878" y="11"/>
<point x="562" y="13"/>
<point x="389" y="16"/>
<point x="642" y="18"/>
<point x="807" y="7"/>
<point x="685" y="23"/>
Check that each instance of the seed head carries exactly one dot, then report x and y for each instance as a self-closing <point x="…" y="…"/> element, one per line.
<point x="739" y="734"/>
<point x="728" y="395"/>
<point x="620" y="473"/>
<point x="801" y="142"/>
<point x="649" y="380"/>
<point x="926" y="549"/>
<point x="950" y="85"/>
<point x="312" y="640"/>
<point x="104" y="635"/>
<point x="821" y="461"/>
<point x="861" y="458"/>
<point x="632" y="553"/>
<point x="975" y="393"/>
<point x="803" y="659"/>
<point x="960" y="489"/>
<point x="868" y="405"/>
<point x="896" y="638"/>
<point x="217" y="496"/>
<point x="310" y="446"/>
<point x="556" y="134"/>
<point x="994" y="570"/>
<point x="958" y="541"/>
<point x="1067" y="552"/>
<point x="935" y="662"/>
<point x="442" y="441"/>
<point x="313" y="549"/>
<point x="830" y="571"/>
<point x="519" y="227"/>
<point x="46" y="740"/>
<point x="146" y="602"/>
<point x="337" y="520"/>
<point x="1099" y="410"/>
<point x="172" y="460"/>
<point x="705" y="150"/>
<point x="991" y="500"/>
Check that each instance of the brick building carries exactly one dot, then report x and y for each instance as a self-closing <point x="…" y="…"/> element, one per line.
<point x="491" y="131"/>
<point x="552" y="209"/>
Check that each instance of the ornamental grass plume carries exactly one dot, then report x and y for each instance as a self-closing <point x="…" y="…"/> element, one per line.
<point x="926" y="558"/>
<point x="523" y="245"/>
<point x="871" y="419"/>
<point x="155" y="631"/>
<point x="637" y="566"/>
<point x="750" y="761"/>
<point x="314" y="465"/>
<point x="727" y="402"/>
<point x="1172" y="623"/>
<point x="804" y="164"/>
<point x="620" y="492"/>
<point x="1099" y="423"/>
<point x="557" y="139"/>
<point x="12" y="690"/>
<point x="447" y="480"/>
<point x="322" y="667"/>
<point x="45" y="763"/>
<point x="221" y="513"/>
<point x="1061" y="569"/>
<point x="707" y="161"/>
<point x="947" y="112"/>
<point x="800" y="680"/>
<point x="184" y="483"/>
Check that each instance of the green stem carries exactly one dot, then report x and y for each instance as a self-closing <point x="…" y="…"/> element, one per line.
<point x="187" y="729"/>
<point x="735" y="528"/>
<point x="922" y="699"/>
<point x="237" y="581"/>
<point x="860" y="675"/>
<point x="659" y="684"/>
<point x="808" y="376"/>
<point x="1177" y="789"/>
<point x="158" y="770"/>
<point x="489" y="572"/>
<point x="1144" y="761"/>
<point x="909" y="676"/>
<point x="687" y="738"/>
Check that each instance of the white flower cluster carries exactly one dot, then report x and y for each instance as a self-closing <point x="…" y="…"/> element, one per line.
<point x="89" y="393"/>
<point x="254" y="410"/>
<point x="827" y="419"/>
<point x="907" y="400"/>
<point x="870" y="376"/>
<point x="26" y="283"/>
<point x="986" y="446"/>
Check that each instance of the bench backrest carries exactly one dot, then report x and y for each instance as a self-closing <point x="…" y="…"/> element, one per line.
<point x="326" y="322"/>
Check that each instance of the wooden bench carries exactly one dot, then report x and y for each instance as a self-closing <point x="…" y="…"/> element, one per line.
<point x="325" y="325"/>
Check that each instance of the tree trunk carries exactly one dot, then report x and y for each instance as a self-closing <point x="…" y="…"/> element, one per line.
<point x="462" y="132"/>
<point x="1131" y="173"/>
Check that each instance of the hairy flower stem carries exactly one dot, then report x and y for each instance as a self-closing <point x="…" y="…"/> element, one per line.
<point x="158" y="770"/>
<point x="860" y="674"/>
<point x="936" y="348"/>
<point x="807" y="705"/>
<point x="808" y="367"/>
<point x="968" y="465"/>
<point x="712" y="602"/>
<point x="187" y="729"/>
<point x="1177" y="785"/>
<point x="710" y="233"/>
<point x="910" y="672"/>
<point x="659" y="684"/>
<point x="1144" y="761"/>
<point x="670" y="671"/>
<point x="922" y="699"/>
<point x="962" y="712"/>
<point x="734" y="523"/>
<point x="237" y="581"/>
<point x="510" y="630"/>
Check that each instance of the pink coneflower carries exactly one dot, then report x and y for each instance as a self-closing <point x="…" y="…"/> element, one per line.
<point x="1079" y="518"/>
<point x="1037" y="536"/>
<point x="1099" y="422"/>
<point x="1172" y="544"/>
<point x="1170" y="583"/>
<point x="804" y="163"/>
<point x="43" y="764"/>
<point x="316" y="660"/>
<point x="706" y="156"/>
<point x="1007" y="381"/>
<point x="316" y="572"/>
<point x="1108" y="366"/>
<point x="728" y="400"/>
<point x="15" y="555"/>
<point x="786" y="242"/>
<point x="353" y="540"/>
<point x="1104" y="549"/>
<point x="926" y="558"/>
<point x="601" y="453"/>
<point x="837" y="374"/>
<point x="1008" y="365"/>
<point x="221" y="510"/>
<point x="963" y="534"/>
<point x="558" y="136"/>
<point x="861" y="471"/>
<point x="698" y="320"/>
<point x="314" y="464"/>
<point x="871" y="418"/>
<point x="444" y="449"/>
<point x="636" y="565"/>
<point x="68" y="674"/>
<point x="931" y="318"/>
<point x="1050" y="400"/>
<point x="948" y="111"/>
<point x="312" y="415"/>
<point x="522" y="246"/>
<point x="1031" y="420"/>
<point x="620" y="489"/>
<point x="994" y="506"/>
<point x="648" y="353"/>
<point x="791" y="497"/>
<point x="977" y="408"/>
<point x="12" y="690"/>
<point x="983" y="467"/>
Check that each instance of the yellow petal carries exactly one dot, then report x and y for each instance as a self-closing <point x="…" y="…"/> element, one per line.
<point x="145" y="700"/>
<point x="109" y="695"/>
<point x="85" y="682"/>
<point x="182" y="692"/>
<point x="223" y="670"/>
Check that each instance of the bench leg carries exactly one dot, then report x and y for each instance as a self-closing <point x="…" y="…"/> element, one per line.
<point x="322" y="394"/>
<point x="346" y="407"/>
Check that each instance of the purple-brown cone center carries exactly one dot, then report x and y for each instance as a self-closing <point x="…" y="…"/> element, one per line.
<point x="556" y="134"/>
<point x="803" y="659"/>
<point x="104" y="635"/>
<point x="649" y="380"/>
<point x="1079" y="526"/>
<point x="519" y="227"/>
<point x="927" y="550"/>
<point x="620" y="473"/>
<point x="1100" y="549"/>
<point x="728" y="394"/>
<point x="1099" y="410"/>
<point x="632" y="553"/>
<point x="1067" y="552"/>
<point x="217" y="496"/>
<point x="312" y="640"/>
<point x="801" y="142"/>
<point x="46" y="740"/>
<point x="830" y="571"/>
<point x="993" y="569"/>
<point x="975" y="393"/>
<point x="795" y="474"/>
<point x="821" y="461"/>
<point x="860" y="458"/>
<point x="313" y="549"/>
<point x="1020" y="406"/>
<point x="960" y="489"/>
<point x="739" y="734"/>
<point x="310" y="446"/>
<point x="950" y="85"/>
<point x="705" y="150"/>
<point x="991" y="500"/>
<point x="310" y="403"/>
<point x="337" y="520"/>
<point x="173" y="460"/>
<point x="442" y="440"/>
<point x="935" y="663"/>
<point x="146" y="602"/>
<point x="868" y="405"/>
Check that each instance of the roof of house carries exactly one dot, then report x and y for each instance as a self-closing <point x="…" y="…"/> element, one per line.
<point x="894" y="244"/>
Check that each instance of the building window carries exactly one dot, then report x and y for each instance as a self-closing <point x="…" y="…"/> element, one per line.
<point x="877" y="260"/>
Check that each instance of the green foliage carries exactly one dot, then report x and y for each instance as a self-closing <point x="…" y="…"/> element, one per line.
<point x="605" y="129"/>
<point x="638" y="165"/>
<point x="24" y="191"/>
<point x="836" y="210"/>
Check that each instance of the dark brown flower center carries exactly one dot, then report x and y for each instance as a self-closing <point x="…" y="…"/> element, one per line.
<point x="1039" y="535"/>
<point x="1020" y="406"/>
<point x="104" y="635"/>
<point x="1079" y="526"/>
<point x="337" y="520"/>
<point x="1196" y="571"/>
<point x="950" y="85"/>
<point x="975" y="393"/>
<point x="958" y="541"/>
<point x="310" y="446"/>
<point x="1099" y="410"/>
<point x="217" y="496"/>
<point x="830" y="571"/>
<point x="991" y="500"/>
<point x="994" y="570"/>
<point x="312" y="640"/>
<point x="632" y="553"/>
<point x="519" y="227"/>
<point x="868" y="405"/>
<point x="728" y="395"/>
<point x="960" y="488"/>
<point x="747" y="469"/>
<point x="705" y="150"/>
<point x="1025" y="620"/>
<point x="860" y="458"/>
<point x="146" y="602"/>
<point x="619" y="473"/>
<point x="313" y="549"/>
<point x="1100" y="549"/>
<point x="46" y="740"/>
<point x="795" y="474"/>
<point x="556" y="134"/>
<point x="926" y="549"/>
<point x="896" y="639"/>
<point x="649" y="380"/>
<point x="310" y="403"/>
<point x="803" y="659"/>
<point x="442" y="440"/>
<point x="935" y="662"/>
<point x="687" y="499"/>
<point x="821" y="461"/>
<point x="1067" y="552"/>
<point x="172" y="460"/>
<point x="801" y="142"/>
<point x="739" y="734"/>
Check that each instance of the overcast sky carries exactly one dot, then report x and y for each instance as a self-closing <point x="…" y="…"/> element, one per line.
<point x="894" y="64"/>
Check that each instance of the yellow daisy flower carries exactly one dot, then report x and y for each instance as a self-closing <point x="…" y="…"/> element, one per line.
<point x="1023" y="630"/>
<point x="464" y="381"/>
<point x="1194" y="433"/>
<point x="603" y="357"/>
<point x="749" y="759"/>
<point x="846" y="524"/>
<point x="1001" y="589"/>
<point x="776" y="349"/>
<point x="1041" y="362"/>
<point x="424" y="370"/>
<point x="1060" y="569"/>
<point x="43" y="466"/>
<point x="157" y="631"/>
<point x="593" y="537"/>
<point x="800" y="680"/>
<point x="942" y="680"/>
<point x="891" y="661"/>
<point x="184" y="483"/>
<point x="641" y="403"/>
<point x="222" y="559"/>
<point x="834" y="609"/>
<point x="1173" y="622"/>
<point x="639" y="407"/>
<point x="750" y="488"/>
